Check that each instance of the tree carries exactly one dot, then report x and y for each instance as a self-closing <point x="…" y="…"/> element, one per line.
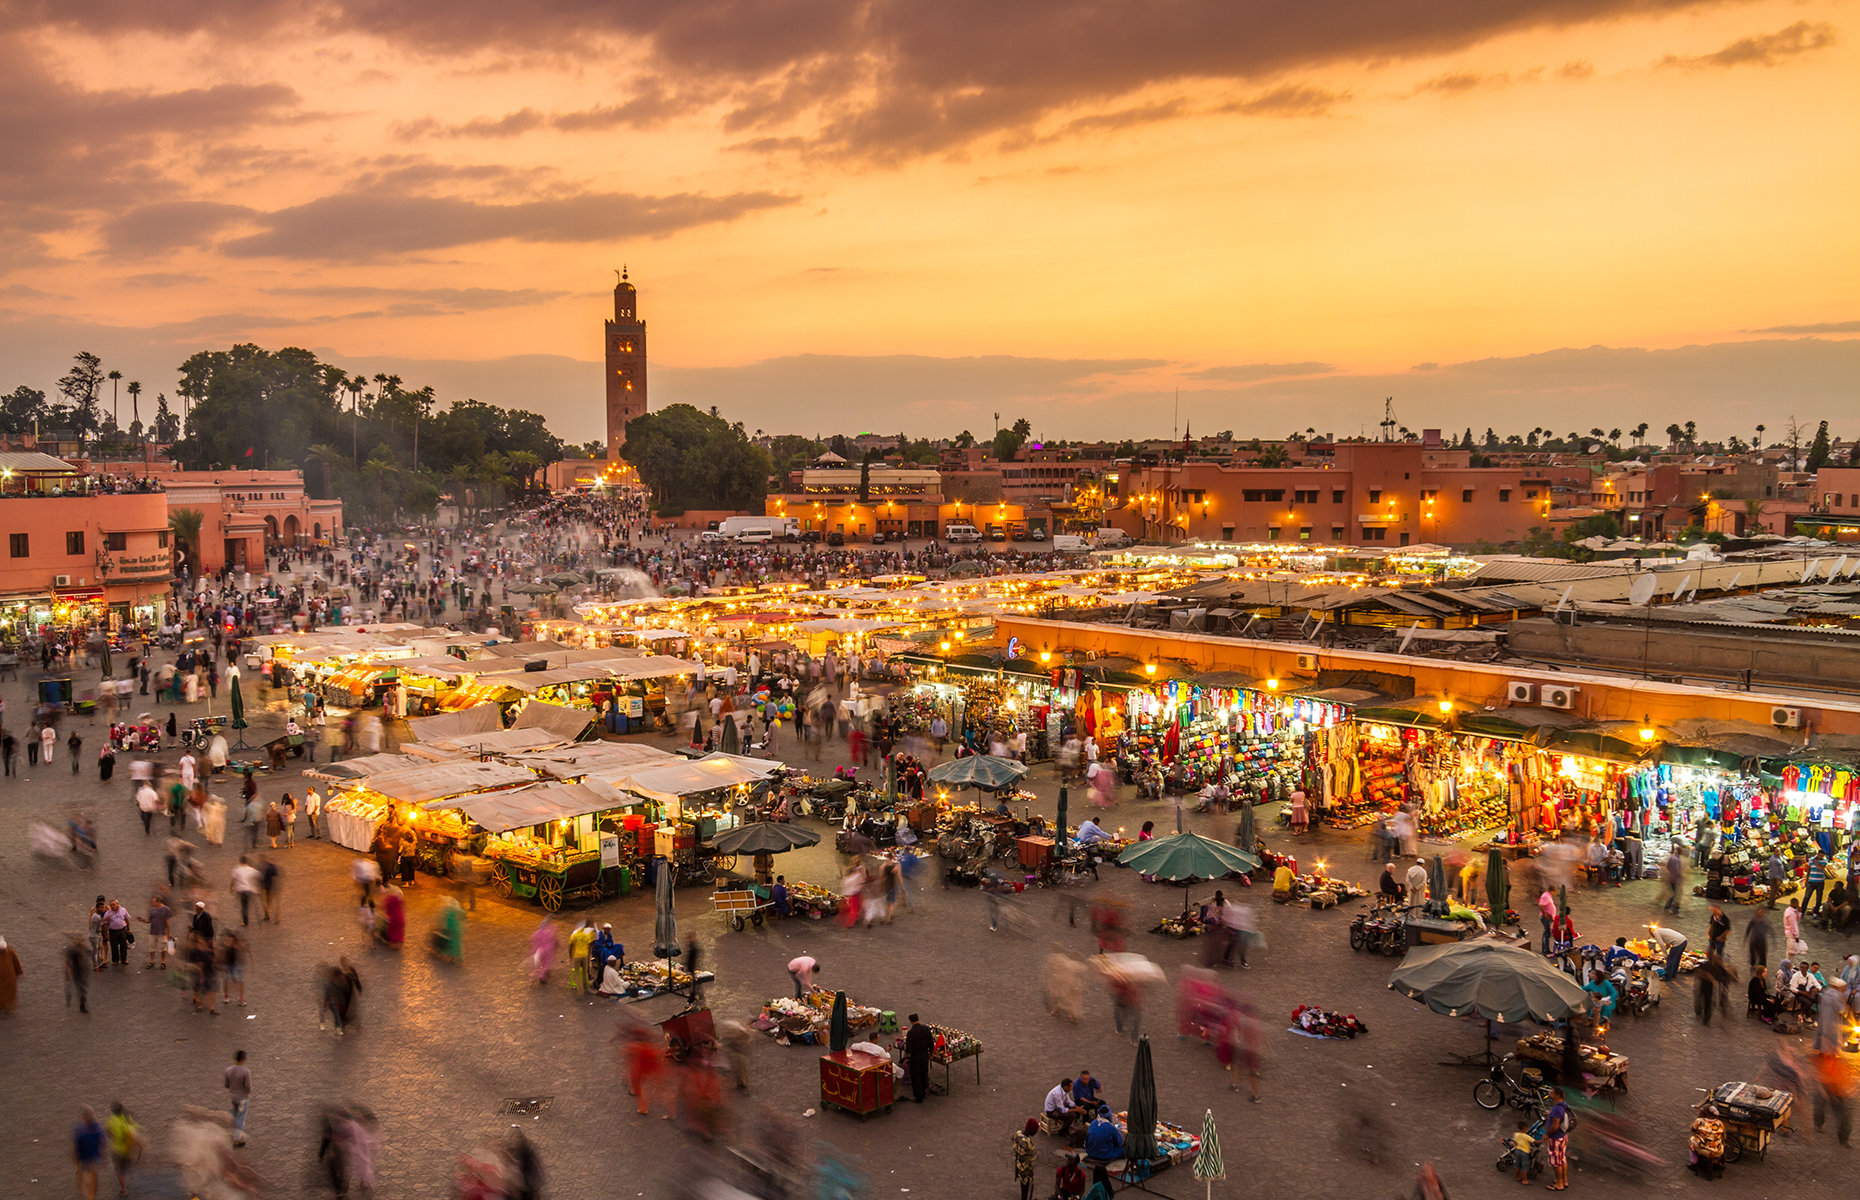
<point x="329" y="458"/>
<point x="1819" y="451"/>
<point x="1466" y="438"/>
<point x="964" y="440"/>
<point x="593" y="449"/>
<point x="1273" y="456"/>
<point x="523" y="467"/>
<point x="185" y="524"/>
<point x="167" y="425"/>
<point x="1640" y="431"/>
<point x="1673" y="433"/>
<point x="865" y="477"/>
<point x="1530" y="439"/>
<point x="837" y="445"/>
<point x="115" y="377"/>
<point x="135" y="404"/>
<point x="690" y="459"/>
<point x="1758" y="443"/>
<point x="1022" y="429"/>
<point x="1692" y="433"/>
<point x="1491" y="438"/>
<point x="1614" y="435"/>
<point x="21" y="409"/>
<point x="80" y="387"/>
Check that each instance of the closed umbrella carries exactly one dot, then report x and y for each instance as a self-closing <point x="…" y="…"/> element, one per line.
<point x="1248" y="838"/>
<point x="1140" y="1136"/>
<point x="106" y="658"/>
<point x="237" y="698"/>
<point x="839" y="1033"/>
<point x="1437" y="879"/>
<point x="1061" y="840"/>
<point x="1497" y="886"/>
<point x="1208" y="1165"/>
<point x="697" y="729"/>
<point x="730" y="742"/>
<point x="665" y="923"/>
<point x="1492" y="978"/>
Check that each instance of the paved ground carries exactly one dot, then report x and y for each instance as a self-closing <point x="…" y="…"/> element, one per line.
<point x="441" y="1048"/>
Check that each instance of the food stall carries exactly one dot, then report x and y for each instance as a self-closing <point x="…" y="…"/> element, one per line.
<point x="366" y="803"/>
<point x="546" y="842"/>
<point x="804" y="1022"/>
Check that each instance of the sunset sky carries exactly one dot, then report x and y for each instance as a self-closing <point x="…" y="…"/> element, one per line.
<point x="907" y="216"/>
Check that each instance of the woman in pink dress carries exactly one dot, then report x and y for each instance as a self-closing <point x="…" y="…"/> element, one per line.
<point x="543" y="945"/>
<point x="1301" y="818"/>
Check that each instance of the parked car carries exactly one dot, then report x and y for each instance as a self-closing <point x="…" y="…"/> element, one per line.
<point x="878" y="538"/>
<point x="810" y="535"/>
<point x="711" y="535"/>
<point x="1038" y="535"/>
<point x="836" y="539"/>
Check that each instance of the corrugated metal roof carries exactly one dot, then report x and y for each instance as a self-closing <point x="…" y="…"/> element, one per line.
<point x="34" y="462"/>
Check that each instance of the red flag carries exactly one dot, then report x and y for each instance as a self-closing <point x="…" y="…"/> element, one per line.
<point x="248" y="451"/>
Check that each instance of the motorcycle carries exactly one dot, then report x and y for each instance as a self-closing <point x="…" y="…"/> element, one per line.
<point x="1377" y="930"/>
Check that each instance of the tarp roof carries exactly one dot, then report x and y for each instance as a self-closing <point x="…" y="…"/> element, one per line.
<point x="502" y="741"/>
<point x="565" y="723"/>
<point x="705" y="774"/>
<point x="524" y="649"/>
<point x="604" y="760"/>
<point x="361" y="768"/>
<point x="434" y="781"/>
<point x="516" y="808"/>
<point x="479" y="718"/>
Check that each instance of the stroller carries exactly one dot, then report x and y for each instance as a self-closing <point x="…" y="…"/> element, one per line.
<point x="1506" y="1165"/>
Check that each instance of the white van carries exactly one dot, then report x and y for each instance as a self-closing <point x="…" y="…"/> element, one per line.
<point x="961" y="533"/>
<point x="735" y="527"/>
<point x="1110" y="538"/>
<point x="1070" y="543"/>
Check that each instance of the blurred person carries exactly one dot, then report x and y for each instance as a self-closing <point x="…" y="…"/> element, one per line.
<point x="246" y="882"/>
<point x="449" y="935"/>
<point x="802" y="970"/>
<point x="125" y="1141"/>
<point x="239" y="1088"/>
<point x="391" y="923"/>
<point x="1834" y="1079"/>
<point x="644" y="1054"/>
<point x="1757" y="937"/>
<point x="918" y="1043"/>
<point x="367" y="876"/>
<point x="87" y="1142"/>
<point x="78" y="965"/>
<point x="203" y="967"/>
<point x="1556" y="1139"/>
<point x="269" y="889"/>
<point x="1100" y="1184"/>
<point x="233" y="956"/>
<point x="149" y="802"/>
<point x="580" y="957"/>
<point x="735" y="1037"/>
<point x="1064" y="984"/>
<point x="544" y="943"/>
<point x="10" y="972"/>
<point x="526" y="1172"/>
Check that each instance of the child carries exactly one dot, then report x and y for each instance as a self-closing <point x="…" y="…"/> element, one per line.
<point x="1521" y="1146"/>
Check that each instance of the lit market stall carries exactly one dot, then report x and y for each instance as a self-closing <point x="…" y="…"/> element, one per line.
<point x="553" y="842"/>
<point x="356" y="815"/>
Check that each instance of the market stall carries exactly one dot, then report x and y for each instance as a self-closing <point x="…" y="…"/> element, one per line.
<point x="546" y="840"/>
<point x="805" y="1022"/>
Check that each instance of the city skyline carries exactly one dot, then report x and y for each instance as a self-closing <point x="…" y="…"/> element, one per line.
<point x="1609" y="212"/>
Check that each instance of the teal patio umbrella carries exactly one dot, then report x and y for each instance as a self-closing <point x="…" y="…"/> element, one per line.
<point x="1488" y="977"/>
<point x="1183" y="856"/>
<point x="1208" y="1165"/>
<point x="1140" y="1135"/>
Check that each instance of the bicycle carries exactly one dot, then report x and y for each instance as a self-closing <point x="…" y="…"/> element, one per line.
<point x="1509" y="1082"/>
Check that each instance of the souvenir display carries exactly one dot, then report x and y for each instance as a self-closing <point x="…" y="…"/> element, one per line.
<point x="1313" y="1021"/>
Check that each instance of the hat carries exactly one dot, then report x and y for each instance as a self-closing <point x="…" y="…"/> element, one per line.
<point x="200" y="904"/>
<point x="607" y="927"/>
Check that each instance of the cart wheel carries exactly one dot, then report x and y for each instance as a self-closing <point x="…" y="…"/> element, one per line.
<point x="550" y="889"/>
<point x="1488" y="1095"/>
<point x="736" y="923"/>
<point x="756" y="919"/>
<point x="726" y="862"/>
<point x="677" y="1049"/>
<point x="500" y="879"/>
<point x="1733" y="1148"/>
<point x="1357" y="939"/>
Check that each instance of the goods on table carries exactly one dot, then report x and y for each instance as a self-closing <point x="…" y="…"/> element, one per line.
<point x="1173" y="1142"/>
<point x="951" y="1044"/>
<point x="1322" y="891"/>
<point x="1313" y="1021"/>
<point x="806" y="1021"/>
<point x="806" y="900"/>
<point x="651" y="978"/>
<point x="1186" y="925"/>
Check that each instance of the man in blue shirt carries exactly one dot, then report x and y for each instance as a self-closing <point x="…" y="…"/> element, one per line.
<point x="1103" y="1141"/>
<point x="779" y="896"/>
<point x="1090" y="831"/>
<point x="1085" y="1090"/>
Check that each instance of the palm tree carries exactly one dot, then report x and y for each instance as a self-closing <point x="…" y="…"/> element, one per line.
<point x="1640" y="431"/>
<point x="135" y="402"/>
<point x="524" y="465"/>
<point x="1758" y="444"/>
<point x="1614" y="435"/>
<point x="355" y="386"/>
<point x="1692" y="433"/>
<point x="380" y="472"/>
<point x="185" y="525"/>
<point x="115" y="412"/>
<point x="325" y="454"/>
<point x="1673" y="433"/>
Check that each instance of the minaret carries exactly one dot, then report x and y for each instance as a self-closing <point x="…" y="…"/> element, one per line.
<point x="626" y="365"/>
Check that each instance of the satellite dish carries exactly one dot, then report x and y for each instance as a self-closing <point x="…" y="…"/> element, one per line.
<point x="1407" y="637"/>
<point x="1834" y="571"/>
<point x="1683" y="585"/>
<point x="1734" y="579"/>
<point x="1644" y="588"/>
<point x="1808" y="572"/>
<point x="1563" y="600"/>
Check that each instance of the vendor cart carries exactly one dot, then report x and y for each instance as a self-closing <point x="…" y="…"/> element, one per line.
<point x="745" y="902"/>
<point x="1751" y="1114"/>
<point x="557" y="879"/>
<point x="691" y="1029"/>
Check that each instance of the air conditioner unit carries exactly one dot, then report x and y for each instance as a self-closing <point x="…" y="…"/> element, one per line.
<point x="1307" y="662"/>
<point x="1521" y="691"/>
<point x="1786" y="718"/>
<point x="61" y="581"/>
<point x="1559" y="696"/>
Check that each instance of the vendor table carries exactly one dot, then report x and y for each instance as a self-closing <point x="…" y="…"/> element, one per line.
<point x="947" y="1060"/>
<point x="348" y="830"/>
<point x="1433" y="931"/>
<point x="1547" y="1048"/>
<point x="856" y="1082"/>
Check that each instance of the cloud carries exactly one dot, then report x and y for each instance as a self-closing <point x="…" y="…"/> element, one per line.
<point x="1288" y="100"/>
<point x="1580" y="68"/>
<point x="651" y="106"/>
<point x="408" y="302"/>
<point x="1763" y="49"/>
<point x="159" y="279"/>
<point x="168" y="226"/>
<point x="884" y="79"/>
<point x="1820" y="327"/>
<point x="1454" y="83"/>
<point x="1249" y="372"/>
<point x="372" y="224"/>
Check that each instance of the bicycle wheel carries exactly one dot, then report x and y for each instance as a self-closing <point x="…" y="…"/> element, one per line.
<point x="1488" y="1095"/>
<point x="1357" y="938"/>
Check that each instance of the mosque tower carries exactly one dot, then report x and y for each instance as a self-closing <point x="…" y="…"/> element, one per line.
<point x="626" y="365"/>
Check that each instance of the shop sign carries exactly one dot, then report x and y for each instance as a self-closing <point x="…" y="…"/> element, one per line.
<point x="132" y="567"/>
<point x="610" y="850"/>
<point x="635" y="706"/>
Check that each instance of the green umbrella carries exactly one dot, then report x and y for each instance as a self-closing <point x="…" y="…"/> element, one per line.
<point x="838" y="1032"/>
<point x="1183" y="856"/>
<point x="697" y="729"/>
<point x="764" y="837"/>
<point x="1208" y="1165"/>
<point x="1495" y="979"/>
<point x="237" y="699"/>
<point x="1140" y="1135"/>
<point x="978" y="770"/>
<point x="730" y="743"/>
<point x="1497" y="885"/>
<point x="1437" y="878"/>
<point x="1247" y="838"/>
<point x="1061" y="840"/>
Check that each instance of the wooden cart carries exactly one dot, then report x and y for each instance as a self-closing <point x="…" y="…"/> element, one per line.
<point x="554" y="881"/>
<point x="856" y="1082"/>
<point x="1751" y="1114"/>
<point x="745" y="904"/>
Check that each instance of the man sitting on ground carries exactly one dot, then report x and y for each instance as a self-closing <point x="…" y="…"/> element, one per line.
<point x="1104" y="1141"/>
